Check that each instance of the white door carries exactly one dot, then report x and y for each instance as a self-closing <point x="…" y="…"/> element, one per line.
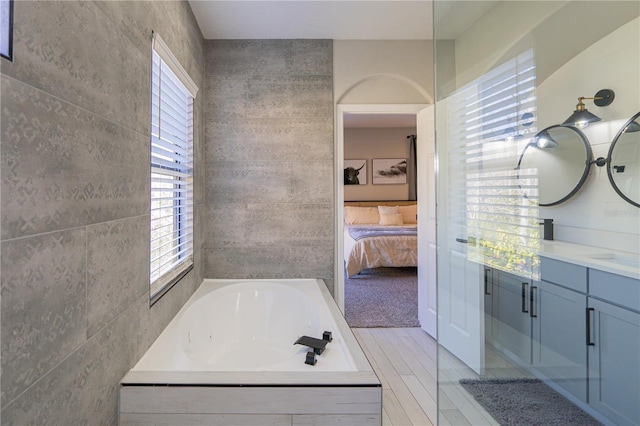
<point x="460" y="280"/>
<point x="426" y="191"/>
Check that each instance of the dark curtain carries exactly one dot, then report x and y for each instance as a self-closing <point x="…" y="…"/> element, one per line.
<point x="411" y="168"/>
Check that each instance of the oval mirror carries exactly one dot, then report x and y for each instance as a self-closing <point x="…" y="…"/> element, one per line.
<point x="559" y="157"/>
<point x="623" y="161"/>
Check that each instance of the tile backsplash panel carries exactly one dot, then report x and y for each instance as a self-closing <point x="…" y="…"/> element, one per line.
<point x="75" y="203"/>
<point x="269" y="159"/>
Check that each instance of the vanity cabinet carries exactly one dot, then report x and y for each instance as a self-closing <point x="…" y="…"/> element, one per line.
<point x="510" y="321"/>
<point x="558" y="308"/>
<point x="559" y="351"/>
<point x="614" y="347"/>
<point x="542" y="323"/>
<point x="578" y="328"/>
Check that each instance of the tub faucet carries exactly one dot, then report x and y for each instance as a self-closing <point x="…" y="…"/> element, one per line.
<point x="547" y="231"/>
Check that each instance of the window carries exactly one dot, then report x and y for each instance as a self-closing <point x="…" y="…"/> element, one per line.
<point x="172" y="95"/>
<point x="491" y="120"/>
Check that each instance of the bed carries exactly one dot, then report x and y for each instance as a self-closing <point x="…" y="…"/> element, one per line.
<point x="383" y="236"/>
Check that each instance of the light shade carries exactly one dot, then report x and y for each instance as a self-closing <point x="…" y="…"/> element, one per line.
<point x="581" y="118"/>
<point x="544" y="140"/>
<point x="632" y="127"/>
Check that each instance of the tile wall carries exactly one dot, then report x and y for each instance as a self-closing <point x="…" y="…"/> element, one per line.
<point x="75" y="198"/>
<point x="269" y="142"/>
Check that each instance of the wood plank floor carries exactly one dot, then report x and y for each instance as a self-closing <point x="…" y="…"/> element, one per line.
<point x="405" y="361"/>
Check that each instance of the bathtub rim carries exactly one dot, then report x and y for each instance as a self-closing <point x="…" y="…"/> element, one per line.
<point x="363" y="376"/>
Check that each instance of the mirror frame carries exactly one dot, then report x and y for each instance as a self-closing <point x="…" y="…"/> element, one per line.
<point x="611" y="148"/>
<point x="587" y="165"/>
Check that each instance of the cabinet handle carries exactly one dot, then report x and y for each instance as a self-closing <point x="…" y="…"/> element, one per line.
<point x="524" y="298"/>
<point x="486" y="282"/>
<point x="532" y="303"/>
<point x="589" y="342"/>
<point x="462" y="240"/>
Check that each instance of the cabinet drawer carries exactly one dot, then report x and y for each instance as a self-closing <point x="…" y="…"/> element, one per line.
<point x="564" y="274"/>
<point x="618" y="289"/>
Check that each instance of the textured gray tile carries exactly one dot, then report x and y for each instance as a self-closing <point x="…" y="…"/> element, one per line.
<point x="136" y="20"/>
<point x="178" y="27"/>
<point x="289" y="96"/>
<point x="225" y="96"/>
<point x="269" y="144"/>
<point x="117" y="268"/>
<point x="198" y="259"/>
<point x="157" y="317"/>
<point x="240" y="139"/>
<point x="82" y="390"/>
<point x="247" y="57"/>
<point x="312" y="183"/>
<point x="199" y="227"/>
<point x="64" y="167"/>
<point x="258" y="225"/>
<point x="248" y="181"/>
<point x="311" y="57"/>
<point x="330" y="285"/>
<point x="43" y="306"/>
<point x="293" y="224"/>
<point x="226" y="225"/>
<point x="198" y="153"/>
<point x="67" y="49"/>
<point x="269" y="262"/>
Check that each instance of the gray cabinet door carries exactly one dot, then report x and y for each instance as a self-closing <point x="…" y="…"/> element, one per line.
<point x="511" y="324"/>
<point x="614" y="362"/>
<point x="559" y="341"/>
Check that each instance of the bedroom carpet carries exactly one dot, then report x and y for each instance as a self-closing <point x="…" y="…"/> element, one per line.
<point x="382" y="297"/>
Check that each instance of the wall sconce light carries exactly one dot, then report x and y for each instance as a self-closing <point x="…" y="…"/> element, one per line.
<point x="544" y="140"/>
<point x="581" y="117"/>
<point x="632" y="127"/>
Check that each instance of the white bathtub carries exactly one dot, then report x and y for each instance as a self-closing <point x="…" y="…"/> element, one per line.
<point x="230" y="352"/>
<point x="249" y="326"/>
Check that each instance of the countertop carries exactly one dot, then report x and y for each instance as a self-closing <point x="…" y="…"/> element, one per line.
<point x="613" y="261"/>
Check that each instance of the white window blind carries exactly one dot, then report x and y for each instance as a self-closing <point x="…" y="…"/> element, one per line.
<point x="490" y="121"/>
<point x="171" y="170"/>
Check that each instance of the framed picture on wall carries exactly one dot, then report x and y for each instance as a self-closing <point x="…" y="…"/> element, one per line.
<point x="389" y="171"/>
<point x="6" y="38"/>
<point x="355" y="172"/>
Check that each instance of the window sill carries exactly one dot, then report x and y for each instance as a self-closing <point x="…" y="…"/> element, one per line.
<point x="161" y="286"/>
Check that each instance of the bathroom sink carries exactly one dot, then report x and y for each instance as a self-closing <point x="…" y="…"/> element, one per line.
<point x="630" y="261"/>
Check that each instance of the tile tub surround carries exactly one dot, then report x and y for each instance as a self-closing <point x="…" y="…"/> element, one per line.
<point x="269" y="156"/>
<point x="74" y="231"/>
<point x="170" y="382"/>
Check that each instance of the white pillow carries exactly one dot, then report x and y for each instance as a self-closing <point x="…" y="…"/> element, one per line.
<point x="409" y="213"/>
<point x="391" y="219"/>
<point x="388" y="209"/>
<point x="361" y="215"/>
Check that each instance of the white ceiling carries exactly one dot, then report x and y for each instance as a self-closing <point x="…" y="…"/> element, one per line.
<point x="328" y="19"/>
<point x="339" y="20"/>
<point x="336" y="19"/>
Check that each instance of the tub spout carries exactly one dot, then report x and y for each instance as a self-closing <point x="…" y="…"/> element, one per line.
<point x="318" y="345"/>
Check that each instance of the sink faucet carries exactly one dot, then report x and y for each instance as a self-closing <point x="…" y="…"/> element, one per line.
<point x="547" y="232"/>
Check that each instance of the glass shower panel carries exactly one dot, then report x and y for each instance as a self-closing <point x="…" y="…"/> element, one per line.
<point x="501" y="76"/>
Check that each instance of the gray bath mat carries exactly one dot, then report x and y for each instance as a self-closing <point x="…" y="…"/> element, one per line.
<point x="525" y="402"/>
<point x="382" y="297"/>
